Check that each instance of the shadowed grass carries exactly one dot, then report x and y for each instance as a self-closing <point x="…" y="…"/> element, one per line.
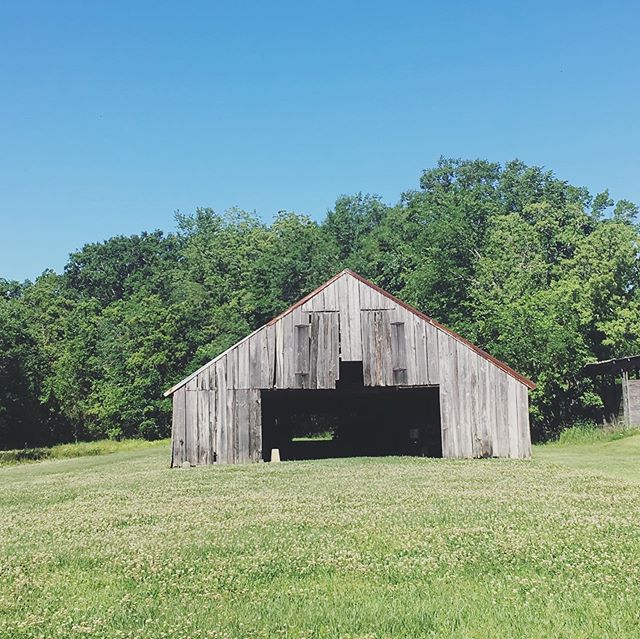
<point x="77" y="449"/>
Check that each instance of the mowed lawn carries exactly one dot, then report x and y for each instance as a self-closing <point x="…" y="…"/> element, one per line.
<point x="122" y="546"/>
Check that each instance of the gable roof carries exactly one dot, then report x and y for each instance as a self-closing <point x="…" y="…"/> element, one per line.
<point x="507" y="369"/>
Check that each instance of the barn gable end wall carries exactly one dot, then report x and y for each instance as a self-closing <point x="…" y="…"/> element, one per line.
<point x="483" y="404"/>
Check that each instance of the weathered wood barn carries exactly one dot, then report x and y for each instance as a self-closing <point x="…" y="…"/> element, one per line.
<point x="352" y="360"/>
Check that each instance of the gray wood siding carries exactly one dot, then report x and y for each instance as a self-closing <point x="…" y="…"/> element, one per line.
<point x="629" y="410"/>
<point x="217" y="411"/>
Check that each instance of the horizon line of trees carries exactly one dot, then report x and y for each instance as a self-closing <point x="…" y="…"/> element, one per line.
<point x="538" y="272"/>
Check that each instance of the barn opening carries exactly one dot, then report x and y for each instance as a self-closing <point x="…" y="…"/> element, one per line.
<point x="352" y="420"/>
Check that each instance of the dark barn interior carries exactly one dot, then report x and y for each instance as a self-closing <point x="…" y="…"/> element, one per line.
<point x="351" y="420"/>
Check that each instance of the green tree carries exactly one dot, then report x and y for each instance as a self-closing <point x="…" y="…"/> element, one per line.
<point x="22" y="418"/>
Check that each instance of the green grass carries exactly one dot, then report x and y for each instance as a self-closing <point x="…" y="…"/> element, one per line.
<point x="78" y="449"/>
<point x="122" y="546"/>
<point x="314" y="437"/>
<point x="615" y="454"/>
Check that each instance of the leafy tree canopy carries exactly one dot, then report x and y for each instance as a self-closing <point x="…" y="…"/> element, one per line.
<point x="533" y="269"/>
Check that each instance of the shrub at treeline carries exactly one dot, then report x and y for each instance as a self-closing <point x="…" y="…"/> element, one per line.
<point x="538" y="272"/>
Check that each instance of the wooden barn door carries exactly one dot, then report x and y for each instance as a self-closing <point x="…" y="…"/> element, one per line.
<point x="384" y="351"/>
<point x="317" y="350"/>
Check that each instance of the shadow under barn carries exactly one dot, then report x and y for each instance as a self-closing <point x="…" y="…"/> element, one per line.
<point x="352" y="420"/>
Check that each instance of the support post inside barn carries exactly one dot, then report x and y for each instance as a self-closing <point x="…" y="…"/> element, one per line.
<point x="353" y="362"/>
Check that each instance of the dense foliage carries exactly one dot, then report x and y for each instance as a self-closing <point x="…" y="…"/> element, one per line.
<point x="538" y="272"/>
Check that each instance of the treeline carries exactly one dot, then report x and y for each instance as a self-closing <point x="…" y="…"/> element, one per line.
<point x="538" y="272"/>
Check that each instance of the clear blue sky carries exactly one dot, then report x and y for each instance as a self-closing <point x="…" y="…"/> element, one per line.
<point x="115" y="114"/>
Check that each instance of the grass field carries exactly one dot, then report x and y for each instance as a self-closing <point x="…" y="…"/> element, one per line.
<point x="121" y="546"/>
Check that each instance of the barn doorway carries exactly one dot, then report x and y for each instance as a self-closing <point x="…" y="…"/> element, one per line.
<point x="351" y="421"/>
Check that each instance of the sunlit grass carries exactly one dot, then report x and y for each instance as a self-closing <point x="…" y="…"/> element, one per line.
<point x="616" y="454"/>
<point x="122" y="546"/>
<point x="590" y="432"/>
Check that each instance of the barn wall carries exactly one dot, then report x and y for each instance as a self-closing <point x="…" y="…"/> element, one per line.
<point x="217" y="413"/>
<point x="629" y="411"/>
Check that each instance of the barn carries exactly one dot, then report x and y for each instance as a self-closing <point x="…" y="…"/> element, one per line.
<point x="355" y="363"/>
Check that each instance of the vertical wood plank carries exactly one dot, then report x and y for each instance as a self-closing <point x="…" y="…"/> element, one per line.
<point x="178" y="435"/>
<point x="204" y="429"/>
<point x="302" y="348"/>
<point x="213" y="434"/>
<point x="432" y="336"/>
<point x="365" y="297"/>
<point x="279" y="347"/>
<point x="454" y="405"/>
<point x="399" y="358"/>
<point x="221" y="412"/>
<point x="345" y="318"/>
<point x="202" y="379"/>
<point x="512" y="411"/>
<point x="474" y="396"/>
<point x="326" y="354"/>
<point x="420" y="341"/>
<point x="355" y="335"/>
<point x="523" y="421"/>
<point x="492" y="408"/>
<point x="268" y="365"/>
<point x="243" y="425"/>
<point x="331" y="300"/>
<point x="384" y="353"/>
<point x="502" y="416"/>
<point x="302" y="344"/>
<point x="376" y="345"/>
<point x="447" y="416"/>
<point x="255" y="359"/>
<point x="365" y="330"/>
<point x="232" y="423"/>
<point x="255" y="428"/>
<point x="231" y="427"/>
<point x="288" y="351"/>
<point x="465" y="434"/>
<point x="334" y="364"/>
<point x="212" y="376"/>
<point x="412" y="348"/>
<point x="191" y="419"/>
<point x="486" y="437"/>
<point x="317" y="301"/>
<point x="244" y="370"/>
<point x="313" y="349"/>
